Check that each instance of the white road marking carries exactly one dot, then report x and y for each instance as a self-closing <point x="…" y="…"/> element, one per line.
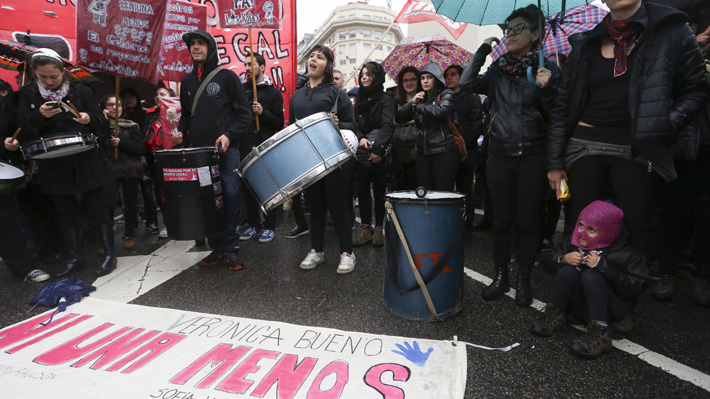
<point x="136" y="275"/>
<point x="665" y="363"/>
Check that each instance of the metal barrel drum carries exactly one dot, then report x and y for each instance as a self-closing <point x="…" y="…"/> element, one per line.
<point x="11" y="178"/>
<point x="293" y="159"/>
<point x="433" y="228"/>
<point x="190" y="192"/>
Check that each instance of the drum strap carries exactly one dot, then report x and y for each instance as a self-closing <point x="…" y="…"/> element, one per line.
<point x="202" y="88"/>
<point x="422" y="285"/>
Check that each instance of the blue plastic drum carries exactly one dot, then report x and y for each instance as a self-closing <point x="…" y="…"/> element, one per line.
<point x="293" y="159"/>
<point x="433" y="228"/>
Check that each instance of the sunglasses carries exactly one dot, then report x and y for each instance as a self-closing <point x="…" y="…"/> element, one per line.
<point x="515" y="30"/>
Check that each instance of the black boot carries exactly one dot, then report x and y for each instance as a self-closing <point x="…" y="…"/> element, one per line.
<point x="108" y="264"/>
<point x="523" y="292"/>
<point x="72" y="241"/>
<point x="500" y="284"/>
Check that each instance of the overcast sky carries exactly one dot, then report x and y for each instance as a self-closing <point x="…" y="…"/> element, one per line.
<point x="313" y="13"/>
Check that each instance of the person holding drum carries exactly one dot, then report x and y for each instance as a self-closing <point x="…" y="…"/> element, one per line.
<point x="86" y="171"/>
<point x="216" y="112"/>
<point x="374" y="112"/>
<point x="437" y="154"/>
<point x="270" y="111"/>
<point x="127" y="165"/>
<point x="330" y="193"/>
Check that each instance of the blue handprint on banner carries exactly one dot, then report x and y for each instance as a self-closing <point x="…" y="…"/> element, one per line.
<point x="413" y="354"/>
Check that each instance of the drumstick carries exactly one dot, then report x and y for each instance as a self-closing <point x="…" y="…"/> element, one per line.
<point x="71" y="108"/>
<point x="14" y="136"/>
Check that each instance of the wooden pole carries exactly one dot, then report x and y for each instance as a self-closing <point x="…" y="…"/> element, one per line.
<point x="115" y="128"/>
<point x="253" y="77"/>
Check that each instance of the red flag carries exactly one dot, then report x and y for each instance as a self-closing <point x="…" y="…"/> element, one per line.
<point x="419" y="11"/>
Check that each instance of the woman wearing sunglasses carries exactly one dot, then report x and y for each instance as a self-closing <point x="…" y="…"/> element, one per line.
<point x="517" y="142"/>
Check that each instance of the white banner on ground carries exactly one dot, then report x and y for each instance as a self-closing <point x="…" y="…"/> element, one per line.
<point x="101" y="349"/>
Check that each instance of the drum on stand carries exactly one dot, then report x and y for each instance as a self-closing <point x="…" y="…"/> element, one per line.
<point x="294" y="158"/>
<point x="60" y="145"/>
<point x="11" y="178"/>
<point x="433" y="228"/>
<point x="190" y="192"/>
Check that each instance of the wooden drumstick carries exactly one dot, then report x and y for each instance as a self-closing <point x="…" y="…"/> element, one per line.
<point x="14" y="136"/>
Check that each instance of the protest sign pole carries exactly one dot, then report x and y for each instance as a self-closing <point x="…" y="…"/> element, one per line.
<point x="253" y="77"/>
<point x="115" y="128"/>
<point x="368" y="56"/>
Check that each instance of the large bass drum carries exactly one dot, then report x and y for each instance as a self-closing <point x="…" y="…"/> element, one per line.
<point x="294" y="158"/>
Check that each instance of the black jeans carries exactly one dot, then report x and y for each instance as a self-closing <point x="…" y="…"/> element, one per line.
<point x="149" y="201"/>
<point x="129" y="186"/>
<point x="13" y="247"/>
<point x="330" y="194"/>
<point x="437" y="171"/>
<point x="98" y="203"/>
<point x="633" y="186"/>
<point x="517" y="186"/>
<point x="364" y="177"/>
<point x="464" y="184"/>
<point x="254" y="212"/>
<point x="587" y="295"/>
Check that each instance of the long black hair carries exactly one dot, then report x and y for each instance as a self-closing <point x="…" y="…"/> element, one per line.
<point x="330" y="61"/>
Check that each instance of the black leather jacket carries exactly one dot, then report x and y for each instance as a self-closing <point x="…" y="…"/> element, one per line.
<point x="667" y="85"/>
<point x="431" y="118"/>
<point x="519" y="111"/>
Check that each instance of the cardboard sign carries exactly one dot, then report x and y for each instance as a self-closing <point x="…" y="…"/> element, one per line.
<point x="250" y="13"/>
<point x="120" y="36"/>
<point x="181" y="17"/>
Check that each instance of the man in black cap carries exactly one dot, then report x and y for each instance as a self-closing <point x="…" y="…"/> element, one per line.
<point x="221" y="115"/>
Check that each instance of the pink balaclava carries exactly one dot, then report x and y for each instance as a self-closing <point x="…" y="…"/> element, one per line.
<point x="605" y="218"/>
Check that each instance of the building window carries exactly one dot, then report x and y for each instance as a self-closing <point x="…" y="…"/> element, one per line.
<point x="342" y="35"/>
<point x="351" y="16"/>
<point x="379" y="47"/>
<point x="389" y="36"/>
<point x="365" y="16"/>
<point x="352" y="60"/>
<point x="351" y="33"/>
<point x="378" y="34"/>
<point x="341" y="48"/>
<point x="343" y="62"/>
<point x="341" y="18"/>
<point x="389" y="49"/>
<point x="352" y="47"/>
<point x="366" y="33"/>
<point x="378" y="18"/>
<point x="367" y="46"/>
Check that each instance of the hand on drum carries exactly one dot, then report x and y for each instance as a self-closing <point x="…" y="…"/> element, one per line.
<point x="334" y="118"/>
<point x="83" y="118"/>
<point x="176" y="138"/>
<point x="114" y="141"/>
<point x="224" y="140"/>
<point x="11" y="144"/>
<point x="49" y="111"/>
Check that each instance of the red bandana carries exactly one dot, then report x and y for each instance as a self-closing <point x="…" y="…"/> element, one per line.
<point x="200" y="70"/>
<point x="623" y="36"/>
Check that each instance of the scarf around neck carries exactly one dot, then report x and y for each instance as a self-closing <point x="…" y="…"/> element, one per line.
<point x="518" y="67"/>
<point x="53" y="95"/>
<point x="624" y="36"/>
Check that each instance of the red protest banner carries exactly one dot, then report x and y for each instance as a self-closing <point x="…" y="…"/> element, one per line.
<point x="119" y="37"/>
<point x="250" y="13"/>
<point x="168" y="127"/>
<point x="419" y="11"/>
<point x="181" y="17"/>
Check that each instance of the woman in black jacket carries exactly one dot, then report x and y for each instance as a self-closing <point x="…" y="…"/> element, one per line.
<point x="64" y="178"/>
<point x="320" y="94"/>
<point x="127" y="165"/>
<point x="437" y="153"/>
<point x="374" y="110"/>
<point x="516" y="147"/>
<point x="629" y="88"/>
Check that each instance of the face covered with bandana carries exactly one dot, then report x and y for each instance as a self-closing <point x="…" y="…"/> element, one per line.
<point x="598" y="226"/>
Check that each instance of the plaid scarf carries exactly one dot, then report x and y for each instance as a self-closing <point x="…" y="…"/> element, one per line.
<point x="518" y="67"/>
<point x="624" y="36"/>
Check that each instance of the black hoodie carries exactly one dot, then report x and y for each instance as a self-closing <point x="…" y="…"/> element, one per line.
<point x="222" y="108"/>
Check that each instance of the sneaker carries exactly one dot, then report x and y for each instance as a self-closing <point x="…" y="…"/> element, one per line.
<point x="250" y="233"/>
<point x="663" y="290"/>
<point x="620" y="328"/>
<point x="152" y="229"/>
<point x="128" y="243"/>
<point x="298" y="231"/>
<point x="267" y="235"/>
<point x="701" y="291"/>
<point x="163" y="233"/>
<point x="552" y="320"/>
<point x="347" y="263"/>
<point x="214" y="257"/>
<point x="365" y="237"/>
<point x="378" y="239"/>
<point x="593" y="343"/>
<point x="232" y="260"/>
<point x="312" y="260"/>
<point x="37" y="276"/>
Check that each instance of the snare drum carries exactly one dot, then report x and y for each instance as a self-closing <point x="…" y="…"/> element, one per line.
<point x="60" y="145"/>
<point x="293" y="159"/>
<point x="11" y="178"/>
<point x="190" y="192"/>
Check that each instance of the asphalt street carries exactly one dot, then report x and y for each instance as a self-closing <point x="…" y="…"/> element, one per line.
<point x="667" y="355"/>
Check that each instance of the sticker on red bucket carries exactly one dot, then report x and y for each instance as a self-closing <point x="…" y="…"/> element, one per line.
<point x="179" y="174"/>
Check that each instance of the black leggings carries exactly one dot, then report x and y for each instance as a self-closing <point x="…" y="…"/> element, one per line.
<point x="330" y="194"/>
<point x="633" y="186"/>
<point x="437" y="171"/>
<point x="95" y="201"/>
<point x="584" y="294"/>
<point x="129" y="186"/>
<point x="517" y="186"/>
<point x="364" y="176"/>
